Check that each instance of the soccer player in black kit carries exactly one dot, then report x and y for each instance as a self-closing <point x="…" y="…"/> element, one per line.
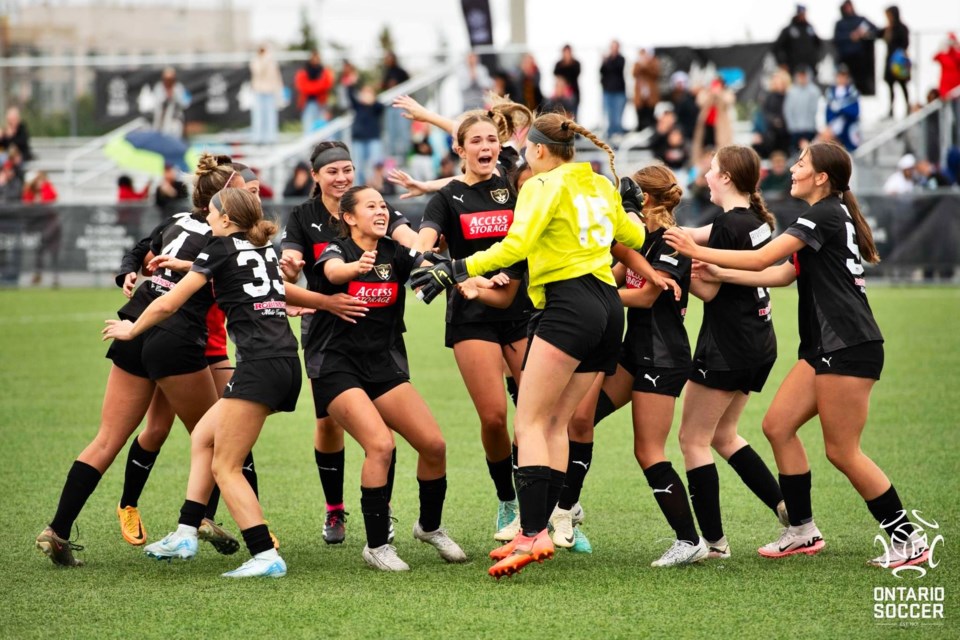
<point x="310" y="227"/>
<point x="364" y="382"/>
<point x="250" y="290"/>
<point x="840" y="354"/>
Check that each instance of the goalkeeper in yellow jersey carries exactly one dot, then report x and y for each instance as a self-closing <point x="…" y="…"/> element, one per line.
<point x="565" y="220"/>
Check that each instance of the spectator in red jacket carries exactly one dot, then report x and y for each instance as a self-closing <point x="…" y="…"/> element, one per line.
<point x="313" y="82"/>
<point x="39" y="189"/>
<point x="126" y="192"/>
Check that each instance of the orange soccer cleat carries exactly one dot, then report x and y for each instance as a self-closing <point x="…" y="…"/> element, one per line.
<point x="525" y="550"/>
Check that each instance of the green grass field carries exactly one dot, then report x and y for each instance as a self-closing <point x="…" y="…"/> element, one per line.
<point x="52" y="374"/>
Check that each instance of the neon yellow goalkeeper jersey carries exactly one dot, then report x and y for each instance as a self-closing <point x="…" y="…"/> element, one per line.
<point x="563" y="225"/>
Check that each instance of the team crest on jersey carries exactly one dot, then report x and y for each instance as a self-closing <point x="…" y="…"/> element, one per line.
<point x="500" y="196"/>
<point x="382" y="271"/>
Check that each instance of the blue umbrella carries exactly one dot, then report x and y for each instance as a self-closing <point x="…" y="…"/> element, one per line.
<point x="148" y="151"/>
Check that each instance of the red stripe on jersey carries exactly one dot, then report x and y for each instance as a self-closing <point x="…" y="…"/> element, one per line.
<point x="796" y="263"/>
<point x="634" y="281"/>
<point x="216" y="332"/>
<point x="374" y="294"/>
<point x="486" y="224"/>
<point x="318" y="249"/>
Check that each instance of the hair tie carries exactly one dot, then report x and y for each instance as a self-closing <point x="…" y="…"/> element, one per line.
<point x="672" y="185"/>
<point x="490" y="114"/>
<point x="565" y="125"/>
<point x="844" y="188"/>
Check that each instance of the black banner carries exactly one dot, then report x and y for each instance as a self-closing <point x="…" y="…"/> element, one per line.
<point x="218" y="95"/>
<point x="741" y="65"/>
<point x="476" y="13"/>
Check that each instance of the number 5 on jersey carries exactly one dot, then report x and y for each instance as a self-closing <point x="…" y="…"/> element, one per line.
<point x="593" y="216"/>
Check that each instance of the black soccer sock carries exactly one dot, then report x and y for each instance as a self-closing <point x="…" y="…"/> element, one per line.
<point x="532" y="488"/>
<point x="754" y="472"/>
<point x="889" y="512"/>
<point x="81" y="481"/>
<point x="501" y="472"/>
<point x="432" y="495"/>
<point x="513" y="389"/>
<point x="671" y="497"/>
<point x="250" y="473"/>
<point x="257" y="539"/>
<point x="330" y="466"/>
<point x="515" y="454"/>
<point x="375" y="507"/>
<point x="578" y="463"/>
<point x="604" y="408"/>
<point x="796" y="497"/>
<point x="192" y="513"/>
<point x="705" y="497"/>
<point x="557" y="479"/>
<point x="212" y="504"/>
<point x="391" y="473"/>
<point x="135" y="475"/>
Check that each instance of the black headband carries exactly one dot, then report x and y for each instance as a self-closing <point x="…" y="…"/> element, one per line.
<point x="333" y="154"/>
<point x="217" y="203"/>
<point x="539" y="137"/>
<point x="248" y="175"/>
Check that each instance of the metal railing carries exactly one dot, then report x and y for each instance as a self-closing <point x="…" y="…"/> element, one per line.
<point x="872" y="146"/>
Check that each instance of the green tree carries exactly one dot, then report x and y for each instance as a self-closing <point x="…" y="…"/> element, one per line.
<point x="308" y="40"/>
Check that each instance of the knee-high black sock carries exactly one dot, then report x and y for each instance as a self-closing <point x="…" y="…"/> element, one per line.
<point x="796" y="496"/>
<point x="512" y="389"/>
<point x="212" y="504"/>
<point x="391" y="473"/>
<point x="754" y="472"/>
<point x="432" y="495"/>
<point x="501" y="472"/>
<point x="257" y="539"/>
<point x="192" y="513"/>
<point x="557" y="479"/>
<point x="82" y="479"/>
<point x="250" y="473"/>
<point x="578" y="463"/>
<point x="671" y="497"/>
<point x="532" y="488"/>
<point x="514" y="453"/>
<point x="330" y="466"/>
<point x="705" y="497"/>
<point x="135" y="475"/>
<point x="375" y="507"/>
<point x="604" y="408"/>
<point x="889" y="512"/>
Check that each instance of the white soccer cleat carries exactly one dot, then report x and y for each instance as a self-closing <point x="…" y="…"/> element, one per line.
<point x="562" y="521"/>
<point x="268" y="564"/>
<point x="682" y="552"/>
<point x="576" y="512"/>
<point x="900" y="554"/>
<point x="719" y="549"/>
<point x="178" y="544"/>
<point x="508" y="521"/>
<point x="449" y="550"/>
<point x="803" y="539"/>
<point x="384" y="558"/>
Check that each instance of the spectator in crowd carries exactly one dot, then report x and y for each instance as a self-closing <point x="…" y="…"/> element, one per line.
<point x="300" y="183"/>
<point x="843" y="111"/>
<point x="40" y="189"/>
<point x="378" y="180"/>
<point x="528" y="84"/>
<point x="347" y="77"/>
<point x="853" y="38"/>
<point x="448" y="166"/>
<point x="929" y="176"/>
<point x="502" y="84"/>
<point x="668" y="143"/>
<point x="646" y="86"/>
<point x="949" y="59"/>
<point x="126" y="192"/>
<point x="901" y="180"/>
<point x="11" y="184"/>
<point x="561" y="101"/>
<point x="896" y="69"/>
<point x="15" y="134"/>
<point x="475" y="81"/>
<point x="568" y="68"/>
<point x="614" y="87"/>
<point x="684" y="104"/>
<point x="313" y="83"/>
<point x="367" y="130"/>
<point x="267" y="86"/>
<point x="171" y="191"/>
<point x="398" y="127"/>
<point x="421" y="166"/>
<point x="170" y="103"/>
<point x="800" y="109"/>
<point x="776" y="182"/>
<point x="798" y="44"/>
<point x="770" y="125"/>
<point x="714" y="122"/>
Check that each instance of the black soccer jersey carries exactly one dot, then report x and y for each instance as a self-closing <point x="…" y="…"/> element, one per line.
<point x="182" y="237"/>
<point x="737" y="330"/>
<point x="656" y="336"/>
<point x="310" y="228"/>
<point x="472" y="218"/>
<point x="370" y="343"/>
<point x="249" y="289"/>
<point x="833" y="308"/>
